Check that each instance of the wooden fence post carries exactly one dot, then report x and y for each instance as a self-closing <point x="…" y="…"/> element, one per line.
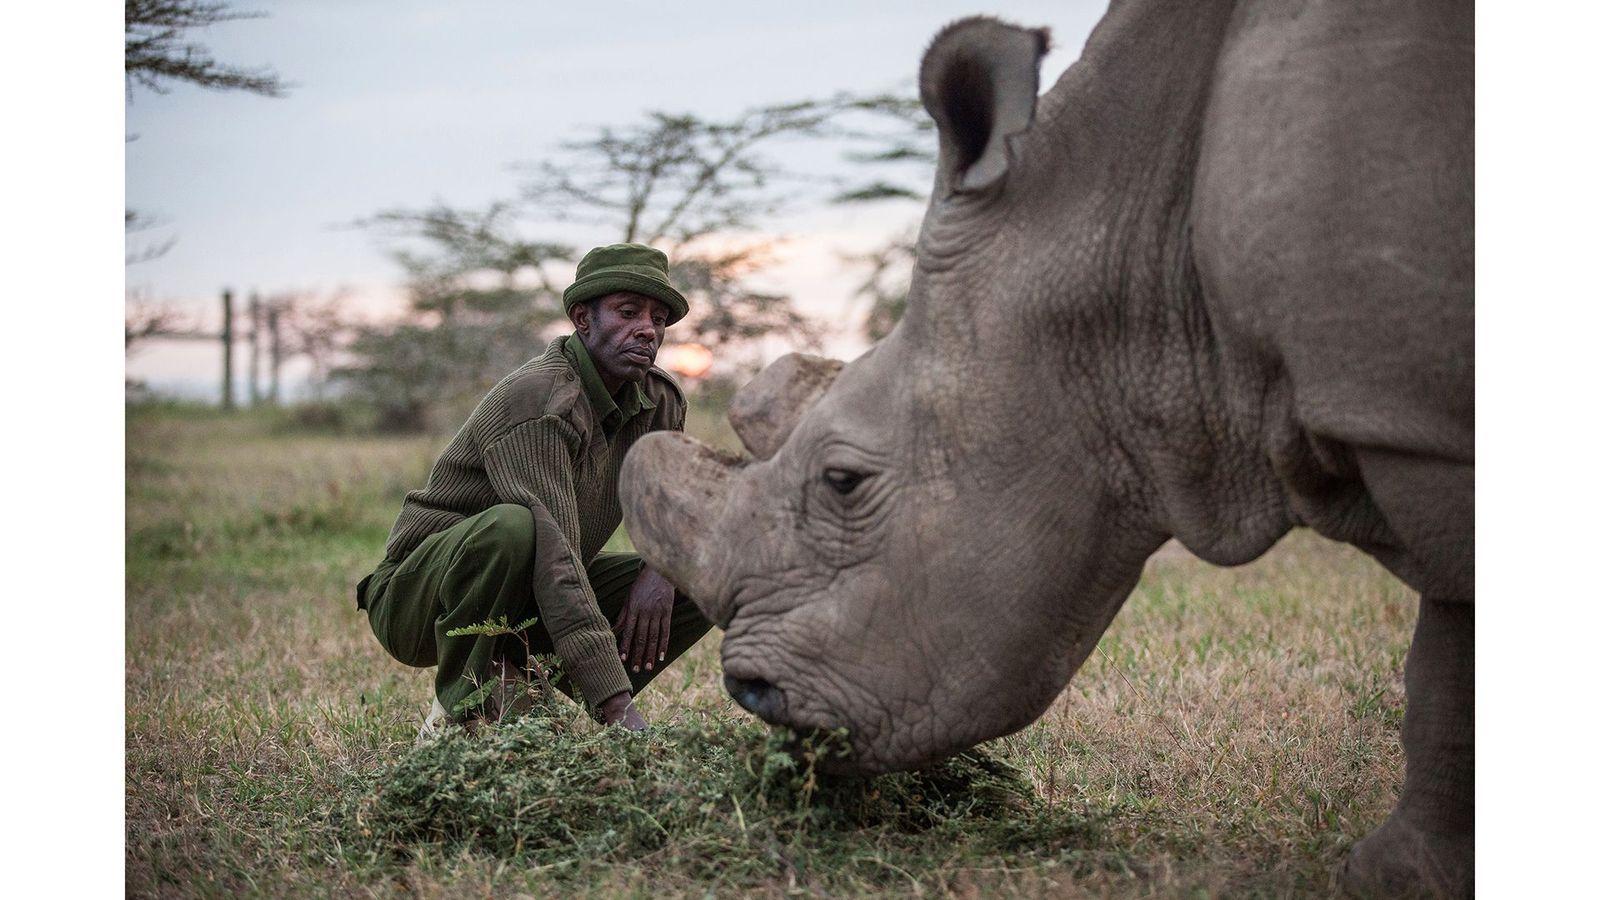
<point x="255" y="348"/>
<point x="227" y="349"/>
<point x="274" y="350"/>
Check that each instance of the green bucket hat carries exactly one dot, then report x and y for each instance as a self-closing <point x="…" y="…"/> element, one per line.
<point x="625" y="267"/>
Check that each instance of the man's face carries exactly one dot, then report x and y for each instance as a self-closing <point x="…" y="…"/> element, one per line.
<point x="622" y="333"/>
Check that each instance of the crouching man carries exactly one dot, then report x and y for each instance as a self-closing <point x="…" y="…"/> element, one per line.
<point x="517" y="507"/>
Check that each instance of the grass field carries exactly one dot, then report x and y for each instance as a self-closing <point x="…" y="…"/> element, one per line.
<point x="1235" y="731"/>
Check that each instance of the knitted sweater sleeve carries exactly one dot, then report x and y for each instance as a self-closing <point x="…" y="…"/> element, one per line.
<point x="531" y="464"/>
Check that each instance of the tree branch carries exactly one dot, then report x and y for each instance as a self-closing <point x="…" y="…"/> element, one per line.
<point x="154" y="52"/>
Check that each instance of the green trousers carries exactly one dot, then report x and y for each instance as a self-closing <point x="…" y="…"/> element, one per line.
<point x="482" y="568"/>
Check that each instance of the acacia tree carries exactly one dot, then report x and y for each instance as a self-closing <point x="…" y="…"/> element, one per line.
<point x="887" y="285"/>
<point x="476" y="293"/>
<point x="157" y="51"/>
<point x="457" y="243"/>
<point x="695" y="188"/>
<point x="897" y="157"/>
<point x="133" y="223"/>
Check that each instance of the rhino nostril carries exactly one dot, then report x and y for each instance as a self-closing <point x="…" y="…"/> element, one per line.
<point x="757" y="695"/>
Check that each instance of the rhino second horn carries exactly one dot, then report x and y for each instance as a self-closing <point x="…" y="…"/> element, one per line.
<point x="766" y="410"/>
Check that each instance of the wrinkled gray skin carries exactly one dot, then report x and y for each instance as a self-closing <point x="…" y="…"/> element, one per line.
<point x="1213" y="285"/>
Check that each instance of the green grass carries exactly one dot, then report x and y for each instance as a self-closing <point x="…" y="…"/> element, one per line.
<point x="1234" y="733"/>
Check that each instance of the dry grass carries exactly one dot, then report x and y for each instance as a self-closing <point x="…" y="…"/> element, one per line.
<point x="1235" y="731"/>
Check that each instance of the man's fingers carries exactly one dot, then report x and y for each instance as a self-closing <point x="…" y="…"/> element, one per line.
<point x="647" y="643"/>
<point x="659" y="654"/>
<point x="655" y="641"/>
<point x="629" y="628"/>
<point x="630" y="653"/>
<point x="638" y="636"/>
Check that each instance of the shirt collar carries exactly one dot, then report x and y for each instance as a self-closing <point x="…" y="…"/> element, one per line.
<point x="612" y="412"/>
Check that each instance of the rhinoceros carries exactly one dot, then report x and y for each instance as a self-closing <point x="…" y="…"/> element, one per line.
<point x="1214" y="285"/>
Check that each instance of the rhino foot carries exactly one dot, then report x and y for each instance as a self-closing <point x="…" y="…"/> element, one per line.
<point x="1402" y="860"/>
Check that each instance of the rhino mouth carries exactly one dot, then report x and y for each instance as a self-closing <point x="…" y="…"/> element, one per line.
<point x="769" y="703"/>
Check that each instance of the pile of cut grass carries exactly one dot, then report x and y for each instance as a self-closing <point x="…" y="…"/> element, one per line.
<point x="715" y="799"/>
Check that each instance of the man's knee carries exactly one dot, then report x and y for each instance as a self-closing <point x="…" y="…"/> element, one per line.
<point x="492" y="558"/>
<point x="501" y="535"/>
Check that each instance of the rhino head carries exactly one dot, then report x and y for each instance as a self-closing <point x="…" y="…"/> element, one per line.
<point x="925" y="544"/>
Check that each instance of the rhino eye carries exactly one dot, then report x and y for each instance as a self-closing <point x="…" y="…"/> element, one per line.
<point x="843" y="480"/>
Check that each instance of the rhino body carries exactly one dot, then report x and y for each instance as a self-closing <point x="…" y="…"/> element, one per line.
<point x="1215" y="284"/>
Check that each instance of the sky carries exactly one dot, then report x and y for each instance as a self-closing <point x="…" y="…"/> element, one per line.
<point x="399" y="104"/>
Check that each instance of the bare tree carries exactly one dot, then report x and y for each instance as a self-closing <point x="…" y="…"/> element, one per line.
<point x="144" y="319"/>
<point x="316" y="328"/>
<point x="156" y="50"/>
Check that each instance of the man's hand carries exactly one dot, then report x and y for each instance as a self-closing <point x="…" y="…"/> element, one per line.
<point x="618" y="709"/>
<point x="646" y="621"/>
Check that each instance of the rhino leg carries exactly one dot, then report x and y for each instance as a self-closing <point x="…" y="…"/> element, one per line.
<point x="1426" y="845"/>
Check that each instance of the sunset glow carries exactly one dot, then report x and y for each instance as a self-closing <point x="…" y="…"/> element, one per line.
<point x="688" y="360"/>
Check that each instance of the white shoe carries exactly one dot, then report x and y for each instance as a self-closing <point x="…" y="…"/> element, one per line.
<point x="437" y="719"/>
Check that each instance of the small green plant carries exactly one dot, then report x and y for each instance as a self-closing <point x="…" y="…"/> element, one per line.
<point x="474" y="700"/>
<point x="539" y="673"/>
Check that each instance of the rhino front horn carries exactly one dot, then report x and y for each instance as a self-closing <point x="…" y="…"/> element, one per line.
<point x="765" y="411"/>
<point x="673" y="490"/>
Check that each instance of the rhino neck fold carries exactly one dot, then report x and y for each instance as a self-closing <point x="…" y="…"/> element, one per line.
<point x="1176" y="412"/>
<point x="1174" y="420"/>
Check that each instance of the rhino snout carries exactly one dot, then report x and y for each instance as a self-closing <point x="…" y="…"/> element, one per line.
<point x="758" y="696"/>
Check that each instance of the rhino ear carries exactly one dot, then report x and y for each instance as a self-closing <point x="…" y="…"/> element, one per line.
<point x="766" y="410"/>
<point x="980" y="78"/>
